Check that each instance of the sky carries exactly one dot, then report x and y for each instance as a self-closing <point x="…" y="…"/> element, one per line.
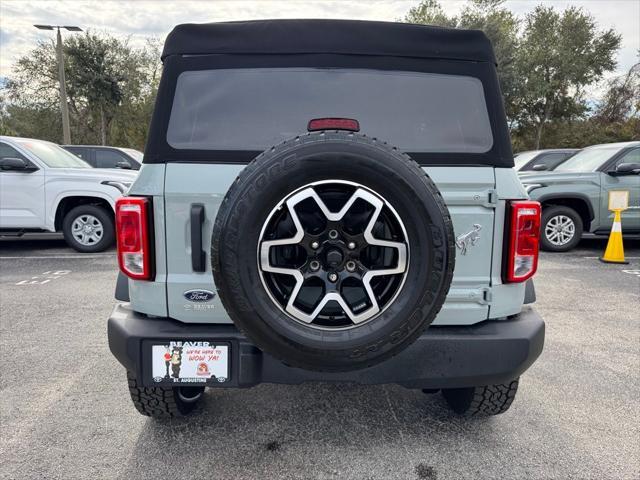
<point x="141" y="19"/>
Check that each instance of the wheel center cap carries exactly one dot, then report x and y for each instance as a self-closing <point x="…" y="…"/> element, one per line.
<point x="334" y="257"/>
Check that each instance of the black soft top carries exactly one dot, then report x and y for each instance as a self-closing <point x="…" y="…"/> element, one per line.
<point x="347" y="37"/>
<point x="327" y="44"/>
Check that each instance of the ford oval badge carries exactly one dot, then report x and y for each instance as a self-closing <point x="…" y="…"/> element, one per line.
<point x="199" y="295"/>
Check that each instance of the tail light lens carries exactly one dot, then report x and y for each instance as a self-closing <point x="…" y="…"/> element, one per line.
<point x="348" y="124"/>
<point x="523" y="241"/>
<point x="133" y="236"/>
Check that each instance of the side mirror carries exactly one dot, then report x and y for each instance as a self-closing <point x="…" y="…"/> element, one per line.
<point x="540" y="167"/>
<point x="13" y="164"/>
<point x="627" y="169"/>
<point x="124" y="164"/>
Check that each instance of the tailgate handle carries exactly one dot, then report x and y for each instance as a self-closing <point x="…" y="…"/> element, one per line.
<point x="198" y="255"/>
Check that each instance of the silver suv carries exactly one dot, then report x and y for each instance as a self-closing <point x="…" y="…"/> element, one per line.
<point x="326" y="201"/>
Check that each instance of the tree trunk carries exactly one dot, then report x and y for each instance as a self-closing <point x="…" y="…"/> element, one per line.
<point x="103" y="126"/>
<point x="543" y="120"/>
<point x="539" y="134"/>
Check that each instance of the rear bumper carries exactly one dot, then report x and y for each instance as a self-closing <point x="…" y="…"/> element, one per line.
<point x="443" y="357"/>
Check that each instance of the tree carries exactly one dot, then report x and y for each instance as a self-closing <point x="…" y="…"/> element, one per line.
<point x="559" y="55"/>
<point x="429" y="12"/>
<point x="622" y="98"/>
<point x="110" y="88"/>
<point x="498" y="23"/>
<point x="100" y="67"/>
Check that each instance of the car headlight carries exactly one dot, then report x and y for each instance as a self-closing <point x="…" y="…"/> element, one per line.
<point x="529" y="187"/>
<point x="122" y="186"/>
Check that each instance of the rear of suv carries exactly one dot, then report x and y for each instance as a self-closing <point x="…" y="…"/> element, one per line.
<point x="326" y="201"/>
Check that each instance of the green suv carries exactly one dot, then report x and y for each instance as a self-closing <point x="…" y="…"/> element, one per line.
<point x="575" y="196"/>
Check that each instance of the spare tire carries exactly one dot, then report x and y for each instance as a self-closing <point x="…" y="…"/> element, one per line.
<point x="332" y="251"/>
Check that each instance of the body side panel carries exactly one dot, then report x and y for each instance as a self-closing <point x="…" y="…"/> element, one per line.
<point x="151" y="297"/>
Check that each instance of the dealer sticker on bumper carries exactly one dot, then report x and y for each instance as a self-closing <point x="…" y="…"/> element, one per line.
<point x="190" y="362"/>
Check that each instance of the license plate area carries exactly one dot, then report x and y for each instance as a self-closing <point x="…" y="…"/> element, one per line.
<point x="190" y="362"/>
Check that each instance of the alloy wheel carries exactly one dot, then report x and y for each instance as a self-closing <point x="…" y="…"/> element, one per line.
<point x="560" y="230"/>
<point x="333" y="254"/>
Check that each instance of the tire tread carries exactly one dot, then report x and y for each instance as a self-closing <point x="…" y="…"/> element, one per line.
<point x="482" y="401"/>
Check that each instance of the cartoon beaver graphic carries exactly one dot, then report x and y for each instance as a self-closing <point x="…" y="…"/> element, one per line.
<point x="176" y="361"/>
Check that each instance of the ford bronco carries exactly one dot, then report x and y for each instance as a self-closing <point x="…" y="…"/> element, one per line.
<point x="326" y="201"/>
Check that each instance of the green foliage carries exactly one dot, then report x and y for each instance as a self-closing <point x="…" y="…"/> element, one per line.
<point x="560" y="54"/>
<point x="429" y="12"/>
<point x="498" y="23"/>
<point x="111" y="88"/>
<point x="545" y="63"/>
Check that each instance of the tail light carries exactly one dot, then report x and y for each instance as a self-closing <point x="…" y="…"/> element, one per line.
<point x="133" y="236"/>
<point x="523" y="240"/>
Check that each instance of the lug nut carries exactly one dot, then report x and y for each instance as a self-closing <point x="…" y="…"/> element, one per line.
<point x="314" y="265"/>
<point x="351" y="265"/>
<point x="315" y="245"/>
<point x="333" y="277"/>
<point x="333" y="234"/>
<point x="351" y="245"/>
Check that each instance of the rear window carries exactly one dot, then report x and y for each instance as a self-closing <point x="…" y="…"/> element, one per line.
<point x="253" y="109"/>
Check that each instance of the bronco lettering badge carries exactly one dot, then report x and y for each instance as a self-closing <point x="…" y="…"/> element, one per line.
<point x="199" y="295"/>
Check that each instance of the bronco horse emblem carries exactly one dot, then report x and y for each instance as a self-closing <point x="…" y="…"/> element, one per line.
<point x="469" y="239"/>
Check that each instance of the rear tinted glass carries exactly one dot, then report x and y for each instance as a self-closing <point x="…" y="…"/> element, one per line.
<point x="253" y="109"/>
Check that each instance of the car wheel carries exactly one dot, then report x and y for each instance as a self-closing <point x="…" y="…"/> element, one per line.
<point x="333" y="251"/>
<point x="163" y="402"/>
<point x="88" y="228"/>
<point x="481" y="401"/>
<point x="561" y="229"/>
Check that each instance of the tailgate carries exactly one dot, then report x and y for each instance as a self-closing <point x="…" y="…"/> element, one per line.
<point x="468" y="192"/>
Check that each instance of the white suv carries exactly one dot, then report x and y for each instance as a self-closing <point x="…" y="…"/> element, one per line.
<point x="45" y="188"/>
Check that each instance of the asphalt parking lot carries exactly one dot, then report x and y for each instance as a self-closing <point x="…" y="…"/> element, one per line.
<point x="65" y="410"/>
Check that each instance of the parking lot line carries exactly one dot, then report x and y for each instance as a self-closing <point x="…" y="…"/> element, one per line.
<point x="632" y="258"/>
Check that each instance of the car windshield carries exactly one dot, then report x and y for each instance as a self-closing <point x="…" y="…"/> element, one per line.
<point x="587" y="160"/>
<point x="52" y="155"/>
<point x="523" y="158"/>
<point x="135" y="154"/>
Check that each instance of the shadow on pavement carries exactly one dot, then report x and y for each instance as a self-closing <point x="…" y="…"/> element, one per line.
<point x="308" y="431"/>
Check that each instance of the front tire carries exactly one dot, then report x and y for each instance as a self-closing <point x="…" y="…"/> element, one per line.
<point x="481" y="401"/>
<point x="88" y="229"/>
<point x="561" y="229"/>
<point x="163" y="402"/>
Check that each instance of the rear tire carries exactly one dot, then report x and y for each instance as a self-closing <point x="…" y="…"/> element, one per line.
<point x="163" y="402"/>
<point x="481" y="401"/>
<point x="554" y="241"/>
<point x="101" y="236"/>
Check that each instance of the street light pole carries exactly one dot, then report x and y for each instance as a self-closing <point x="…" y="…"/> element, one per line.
<point x="64" y="107"/>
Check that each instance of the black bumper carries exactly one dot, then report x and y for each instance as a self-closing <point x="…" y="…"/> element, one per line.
<point x="444" y="357"/>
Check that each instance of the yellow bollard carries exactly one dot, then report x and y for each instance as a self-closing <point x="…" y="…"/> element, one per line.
<point x="615" y="250"/>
